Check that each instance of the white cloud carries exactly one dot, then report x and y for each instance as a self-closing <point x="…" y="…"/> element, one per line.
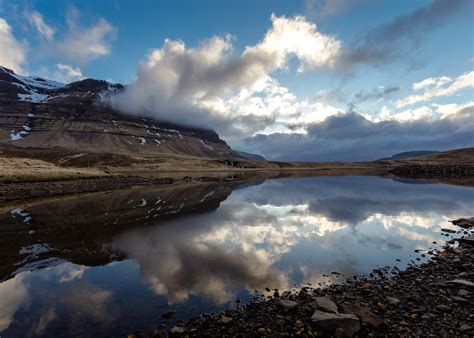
<point x="436" y="81"/>
<point x="36" y="20"/>
<point x="13" y="52"/>
<point x="197" y="86"/>
<point x="437" y="87"/>
<point x="447" y="110"/>
<point x="409" y="115"/>
<point x="296" y="36"/>
<point x="63" y="73"/>
<point x="82" y="44"/>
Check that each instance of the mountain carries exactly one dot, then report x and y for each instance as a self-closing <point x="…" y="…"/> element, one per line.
<point x="40" y="113"/>
<point x="408" y="154"/>
<point x="250" y="156"/>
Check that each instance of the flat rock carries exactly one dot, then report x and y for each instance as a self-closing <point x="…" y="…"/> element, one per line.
<point x="465" y="223"/>
<point x="288" y="304"/>
<point x="329" y="322"/>
<point x="324" y="304"/>
<point x="461" y="282"/>
<point x="364" y="315"/>
<point x="177" y="329"/>
<point x="459" y="299"/>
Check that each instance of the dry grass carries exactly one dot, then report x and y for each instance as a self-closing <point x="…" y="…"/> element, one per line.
<point x="14" y="169"/>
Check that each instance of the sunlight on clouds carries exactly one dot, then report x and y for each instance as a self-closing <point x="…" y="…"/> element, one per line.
<point x="62" y="73"/>
<point x="438" y="87"/>
<point x="13" y="53"/>
<point x="296" y="36"/>
<point x="210" y="85"/>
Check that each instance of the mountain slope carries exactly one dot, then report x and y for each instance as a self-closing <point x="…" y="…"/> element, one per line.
<point x="40" y="113"/>
<point x="409" y="154"/>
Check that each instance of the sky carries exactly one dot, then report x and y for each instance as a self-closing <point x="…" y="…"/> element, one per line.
<point x="309" y="80"/>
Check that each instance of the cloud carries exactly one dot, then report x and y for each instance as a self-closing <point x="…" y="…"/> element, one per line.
<point x="386" y="42"/>
<point x="36" y="20"/>
<point x="179" y="84"/>
<point x="437" y="87"/>
<point x="352" y="137"/>
<point x="13" y="295"/>
<point x="378" y="94"/>
<point x="62" y="73"/>
<point x="178" y="263"/>
<point x="84" y="43"/>
<point x="13" y="53"/>
<point x="327" y="8"/>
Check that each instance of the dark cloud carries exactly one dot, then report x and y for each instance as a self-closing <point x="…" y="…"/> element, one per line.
<point x="384" y="43"/>
<point x="373" y="95"/>
<point x="351" y="137"/>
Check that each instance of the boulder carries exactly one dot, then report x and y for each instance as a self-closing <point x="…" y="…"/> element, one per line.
<point x="288" y="304"/>
<point x="324" y="304"/>
<point x="365" y="315"/>
<point x="329" y="322"/>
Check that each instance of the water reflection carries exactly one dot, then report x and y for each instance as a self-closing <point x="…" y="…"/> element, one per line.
<point x="109" y="264"/>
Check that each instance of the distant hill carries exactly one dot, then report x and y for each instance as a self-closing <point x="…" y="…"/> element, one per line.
<point x="408" y="154"/>
<point x="250" y="156"/>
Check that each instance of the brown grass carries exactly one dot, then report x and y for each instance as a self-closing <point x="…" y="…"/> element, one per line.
<point x="13" y="169"/>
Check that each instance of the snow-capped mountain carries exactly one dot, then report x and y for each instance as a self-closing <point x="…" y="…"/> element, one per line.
<point x="40" y="113"/>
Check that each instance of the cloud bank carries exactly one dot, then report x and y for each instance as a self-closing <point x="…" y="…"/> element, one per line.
<point x="182" y="85"/>
<point x="352" y="137"/>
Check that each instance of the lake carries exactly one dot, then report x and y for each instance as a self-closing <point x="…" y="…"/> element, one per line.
<point x="108" y="264"/>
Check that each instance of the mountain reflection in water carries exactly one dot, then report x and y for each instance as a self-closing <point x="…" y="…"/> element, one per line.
<point x="110" y="263"/>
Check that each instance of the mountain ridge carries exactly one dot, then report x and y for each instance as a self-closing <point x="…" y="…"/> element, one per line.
<point x="42" y="113"/>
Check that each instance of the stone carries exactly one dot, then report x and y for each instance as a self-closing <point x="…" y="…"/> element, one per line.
<point x="466" y="240"/>
<point x="451" y="231"/>
<point x="225" y="319"/>
<point x="465" y="328"/>
<point x="382" y="306"/>
<point x="393" y="300"/>
<point x="329" y="322"/>
<point x="325" y="304"/>
<point x="459" y="299"/>
<point x="288" y="304"/>
<point x="443" y="308"/>
<point x="364" y="315"/>
<point x="461" y="282"/>
<point x="168" y="314"/>
<point x="463" y="293"/>
<point x="177" y="329"/>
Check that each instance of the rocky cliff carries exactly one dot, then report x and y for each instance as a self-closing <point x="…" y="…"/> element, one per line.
<point x="39" y="113"/>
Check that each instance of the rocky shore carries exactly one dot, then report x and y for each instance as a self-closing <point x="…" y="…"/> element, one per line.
<point x="432" y="299"/>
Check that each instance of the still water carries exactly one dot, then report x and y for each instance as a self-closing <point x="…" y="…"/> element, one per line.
<point x="108" y="264"/>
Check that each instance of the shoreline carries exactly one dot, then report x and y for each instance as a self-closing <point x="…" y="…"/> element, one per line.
<point x="119" y="179"/>
<point x="435" y="298"/>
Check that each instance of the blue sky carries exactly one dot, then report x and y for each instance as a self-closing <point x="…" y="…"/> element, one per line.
<point x="372" y="55"/>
